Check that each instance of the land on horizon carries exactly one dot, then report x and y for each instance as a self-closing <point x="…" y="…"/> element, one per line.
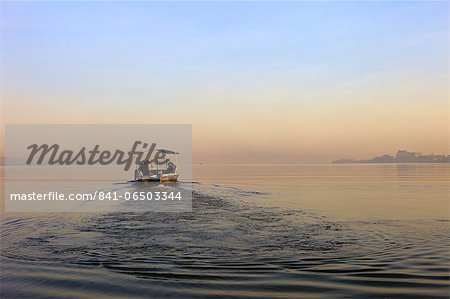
<point x="402" y="156"/>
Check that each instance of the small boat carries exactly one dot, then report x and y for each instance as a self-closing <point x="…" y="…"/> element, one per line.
<point x="165" y="171"/>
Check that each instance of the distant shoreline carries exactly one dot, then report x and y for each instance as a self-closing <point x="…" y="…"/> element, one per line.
<point x="402" y="156"/>
<point x="371" y="162"/>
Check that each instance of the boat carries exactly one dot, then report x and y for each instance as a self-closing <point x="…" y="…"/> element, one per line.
<point x="150" y="171"/>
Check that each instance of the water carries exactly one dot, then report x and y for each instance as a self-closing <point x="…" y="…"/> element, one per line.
<point x="256" y="231"/>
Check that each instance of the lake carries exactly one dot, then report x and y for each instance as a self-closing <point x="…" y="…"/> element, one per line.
<point x="256" y="231"/>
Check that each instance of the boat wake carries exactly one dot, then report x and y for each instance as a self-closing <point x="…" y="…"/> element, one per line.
<point x="224" y="246"/>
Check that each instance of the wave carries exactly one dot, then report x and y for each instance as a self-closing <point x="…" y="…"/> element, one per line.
<point x="225" y="247"/>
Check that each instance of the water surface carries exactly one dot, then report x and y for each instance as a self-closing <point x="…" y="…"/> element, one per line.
<point x="256" y="231"/>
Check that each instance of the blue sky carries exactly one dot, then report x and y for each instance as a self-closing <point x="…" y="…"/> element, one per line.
<point x="206" y="56"/>
<point x="185" y="43"/>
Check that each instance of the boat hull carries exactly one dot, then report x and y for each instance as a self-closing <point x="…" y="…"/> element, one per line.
<point x="169" y="178"/>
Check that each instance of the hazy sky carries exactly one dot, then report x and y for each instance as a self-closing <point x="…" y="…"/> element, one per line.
<point x="259" y="81"/>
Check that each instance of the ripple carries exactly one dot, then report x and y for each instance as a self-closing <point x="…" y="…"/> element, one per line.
<point x="226" y="247"/>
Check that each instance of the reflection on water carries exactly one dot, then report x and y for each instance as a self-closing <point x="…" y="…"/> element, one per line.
<point x="232" y="246"/>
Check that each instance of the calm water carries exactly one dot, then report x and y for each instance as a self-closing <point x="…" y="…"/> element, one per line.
<point x="293" y="231"/>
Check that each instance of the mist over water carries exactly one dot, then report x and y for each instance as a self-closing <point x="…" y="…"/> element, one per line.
<point x="255" y="232"/>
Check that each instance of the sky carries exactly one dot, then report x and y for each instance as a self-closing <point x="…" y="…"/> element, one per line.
<point x="260" y="82"/>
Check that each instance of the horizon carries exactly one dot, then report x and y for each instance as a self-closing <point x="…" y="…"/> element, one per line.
<point x="3" y="163"/>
